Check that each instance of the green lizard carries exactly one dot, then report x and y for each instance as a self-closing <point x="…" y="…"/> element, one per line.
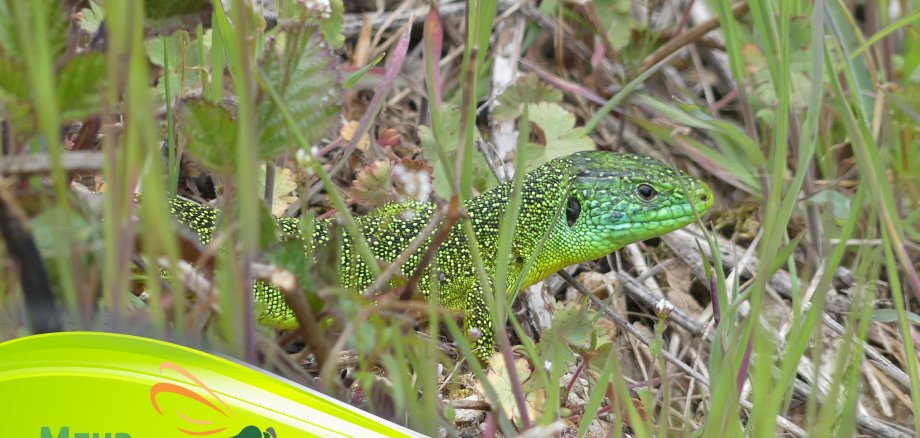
<point x="587" y="205"/>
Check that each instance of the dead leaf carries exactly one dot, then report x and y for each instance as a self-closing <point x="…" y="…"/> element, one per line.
<point x="284" y="193"/>
<point x="498" y="376"/>
<point x="348" y="132"/>
<point x="373" y="186"/>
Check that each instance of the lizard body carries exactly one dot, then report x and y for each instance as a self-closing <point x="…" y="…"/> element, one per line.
<point x="587" y="205"/>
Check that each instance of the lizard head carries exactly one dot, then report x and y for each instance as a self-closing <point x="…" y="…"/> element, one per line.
<point x="617" y="199"/>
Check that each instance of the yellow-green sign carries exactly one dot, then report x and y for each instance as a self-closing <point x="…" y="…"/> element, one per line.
<point x="105" y="385"/>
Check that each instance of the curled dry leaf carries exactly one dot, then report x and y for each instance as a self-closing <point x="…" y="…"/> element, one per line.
<point x="373" y="186"/>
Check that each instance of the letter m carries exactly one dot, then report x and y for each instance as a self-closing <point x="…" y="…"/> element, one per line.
<point x="63" y="433"/>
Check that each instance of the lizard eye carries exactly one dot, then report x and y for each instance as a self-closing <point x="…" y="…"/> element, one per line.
<point x="646" y="192"/>
<point x="572" y="210"/>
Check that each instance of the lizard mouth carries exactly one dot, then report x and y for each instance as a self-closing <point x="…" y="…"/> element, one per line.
<point x="703" y="198"/>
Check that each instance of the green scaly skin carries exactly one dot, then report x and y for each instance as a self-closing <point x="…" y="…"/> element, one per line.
<point x="587" y="205"/>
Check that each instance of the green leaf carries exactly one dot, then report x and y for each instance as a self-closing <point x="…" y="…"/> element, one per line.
<point x="891" y="315"/>
<point x="171" y="14"/>
<point x="79" y="87"/>
<point x="12" y="30"/>
<point x="293" y="256"/>
<point x="91" y="17"/>
<point x="15" y="95"/>
<point x="839" y="204"/>
<point x="268" y="228"/>
<point x="15" y="103"/>
<point x="161" y="9"/>
<point x="302" y="73"/>
<point x="356" y="75"/>
<point x="572" y="330"/>
<point x="333" y="27"/>
<point x="764" y="98"/>
<point x="211" y="132"/>
<point x="449" y="133"/>
<point x="616" y="18"/>
<point x="184" y="61"/>
<point x="556" y="134"/>
<point x="525" y="90"/>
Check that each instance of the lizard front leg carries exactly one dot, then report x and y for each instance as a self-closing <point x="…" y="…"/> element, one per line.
<point x="477" y="323"/>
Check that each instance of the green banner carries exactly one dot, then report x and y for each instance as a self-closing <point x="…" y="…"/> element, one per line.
<point x="105" y="385"/>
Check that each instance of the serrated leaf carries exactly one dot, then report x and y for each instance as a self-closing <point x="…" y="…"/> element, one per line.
<point x="211" y="132"/>
<point x="572" y="330"/>
<point x="525" y="90"/>
<point x="499" y="377"/>
<point x="15" y="30"/>
<point x="373" y="186"/>
<point x="90" y="18"/>
<point x="556" y="134"/>
<point x="616" y="17"/>
<point x="78" y="90"/>
<point x="448" y="132"/>
<point x="301" y="71"/>
<point x="764" y="98"/>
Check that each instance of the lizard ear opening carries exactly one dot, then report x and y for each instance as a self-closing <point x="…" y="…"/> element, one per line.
<point x="572" y="210"/>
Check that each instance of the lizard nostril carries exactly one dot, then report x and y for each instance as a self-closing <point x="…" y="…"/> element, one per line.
<point x="704" y="197"/>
